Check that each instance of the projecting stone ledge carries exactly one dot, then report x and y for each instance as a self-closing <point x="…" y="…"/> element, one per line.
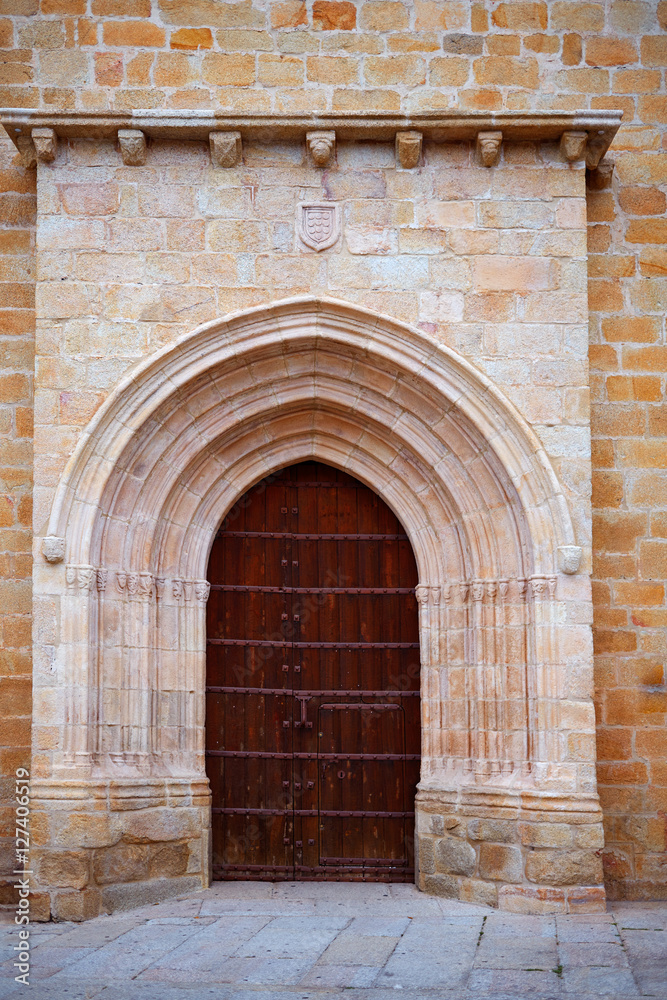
<point x="598" y="126"/>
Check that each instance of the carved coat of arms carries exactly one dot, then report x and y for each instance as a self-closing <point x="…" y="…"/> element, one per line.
<point x="318" y="224"/>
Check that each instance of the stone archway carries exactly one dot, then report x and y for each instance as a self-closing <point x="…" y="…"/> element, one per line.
<point x="180" y="439"/>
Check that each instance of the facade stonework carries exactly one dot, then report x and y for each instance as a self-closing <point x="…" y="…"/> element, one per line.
<point x="387" y="235"/>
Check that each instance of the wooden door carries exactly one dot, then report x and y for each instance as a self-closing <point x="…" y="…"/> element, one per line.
<point x="312" y="726"/>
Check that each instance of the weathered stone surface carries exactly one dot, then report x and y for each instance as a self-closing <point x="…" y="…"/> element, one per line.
<point x="121" y="863"/>
<point x="526" y="899"/>
<point x="501" y="863"/>
<point x="440" y="885"/>
<point x="456" y="857"/>
<point x="546" y="834"/>
<point x="564" y="867"/>
<point x="88" y="830"/>
<point x="497" y="830"/>
<point x="168" y="860"/>
<point x="475" y="890"/>
<point x="76" y="905"/>
<point x="127" y="896"/>
<point x="64" y="869"/>
<point x="160" y="825"/>
<point x="427" y="855"/>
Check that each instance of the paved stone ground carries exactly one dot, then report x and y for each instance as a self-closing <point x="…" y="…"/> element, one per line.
<point x="308" y="941"/>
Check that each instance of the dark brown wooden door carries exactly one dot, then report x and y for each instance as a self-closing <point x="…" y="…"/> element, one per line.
<point x="313" y="716"/>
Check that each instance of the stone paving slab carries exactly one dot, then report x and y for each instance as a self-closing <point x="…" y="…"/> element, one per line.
<point x="338" y="941"/>
<point x="515" y="982"/>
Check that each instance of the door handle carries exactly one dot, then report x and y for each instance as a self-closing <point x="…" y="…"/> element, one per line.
<point x="303" y="698"/>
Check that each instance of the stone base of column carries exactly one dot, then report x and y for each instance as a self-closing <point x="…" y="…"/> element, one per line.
<point x="519" y="850"/>
<point x="112" y="844"/>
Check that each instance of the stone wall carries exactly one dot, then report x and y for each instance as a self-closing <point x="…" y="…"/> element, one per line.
<point x="489" y="261"/>
<point x="17" y="302"/>
<point x="295" y="56"/>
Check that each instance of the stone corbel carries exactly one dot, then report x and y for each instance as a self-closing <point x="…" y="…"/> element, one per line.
<point x="26" y="148"/>
<point x="226" y="148"/>
<point x="321" y="146"/>
<point x="488" y="147"/>
<point x="600" y="178"/>
<point x="46" y="144"/>
<point x="408" y="149"/>
<point x="53" y="548"/>
<point x="569" y="558"/>
<point x="573" y="145"/>
<point x="596" y="147"/>
<point x="132" y="142"/>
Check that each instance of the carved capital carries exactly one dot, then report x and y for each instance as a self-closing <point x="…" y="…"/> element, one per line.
<point x="80" y="577"/>
<point x="132" y="144"/>
<point x="226" y="148"/>
<point x="53" y="548"/>
<point x="321" y="146"/>
<point x="573" y="145"/>
<point x="102" y="579"/>
<point x="202" y="590"/>
<point x="426" y="594"/>
<point x="488" y="147"/>
<point x="46" y="144"/>
<point x="408" y="149"/>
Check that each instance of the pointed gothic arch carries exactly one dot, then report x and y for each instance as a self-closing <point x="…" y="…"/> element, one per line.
<point x="189" y="430"/>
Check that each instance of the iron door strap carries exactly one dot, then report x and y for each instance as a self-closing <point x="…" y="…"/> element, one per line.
<point x="358" y="813"/>
<point x="316" y="537"/>
<point x="242" y="588"/>
<point x="298" y="755"/>
<point x="342" y="693"/>
<point x="363" y="705"/>
<point x="312" y="645"/>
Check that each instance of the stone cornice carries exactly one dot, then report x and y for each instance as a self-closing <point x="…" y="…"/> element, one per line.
<point x="441" y="126"/>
